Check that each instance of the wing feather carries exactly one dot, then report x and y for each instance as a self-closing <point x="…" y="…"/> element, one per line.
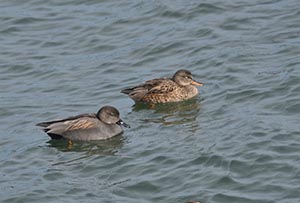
<point x="162" y="86"/>
<point x="151" y="88"/>
<point x="81" y="124"/>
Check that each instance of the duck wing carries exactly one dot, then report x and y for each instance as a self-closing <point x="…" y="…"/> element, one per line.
<point x="47" y="123"/>
<point x="61" y="128"/>
<point x="161" y="86"/>
<point x="155" y="86"/>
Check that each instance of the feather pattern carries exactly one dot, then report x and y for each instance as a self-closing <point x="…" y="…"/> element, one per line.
<point x="163" y="90"/>
<point x="103" y="125"/>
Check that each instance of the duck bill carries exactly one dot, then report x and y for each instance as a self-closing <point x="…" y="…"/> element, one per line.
<point x="120" y="122"/>
<point x="194" y="82"/>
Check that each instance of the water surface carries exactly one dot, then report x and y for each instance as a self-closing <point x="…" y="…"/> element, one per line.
<point x="238" y="141"/>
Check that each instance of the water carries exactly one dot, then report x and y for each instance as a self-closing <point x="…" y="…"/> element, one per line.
<point x="237" y="142"/>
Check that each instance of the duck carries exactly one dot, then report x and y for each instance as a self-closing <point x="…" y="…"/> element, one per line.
<point x="163" y="90"/>
<point x="104" y="124"/>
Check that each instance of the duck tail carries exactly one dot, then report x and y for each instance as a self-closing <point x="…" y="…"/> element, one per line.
<point x="127" y="91"/>
<point x="43" y="124"/>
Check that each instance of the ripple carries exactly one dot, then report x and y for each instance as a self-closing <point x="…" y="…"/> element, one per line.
<point x="238" y="141"/>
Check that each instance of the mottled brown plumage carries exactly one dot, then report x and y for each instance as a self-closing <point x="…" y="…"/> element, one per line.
<point x="178" y="88"/>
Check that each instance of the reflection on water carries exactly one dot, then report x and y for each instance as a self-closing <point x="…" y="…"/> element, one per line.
<point x="172" y="113"/>
<point x="99" y="147"/>
<point x="60" y="58"/>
